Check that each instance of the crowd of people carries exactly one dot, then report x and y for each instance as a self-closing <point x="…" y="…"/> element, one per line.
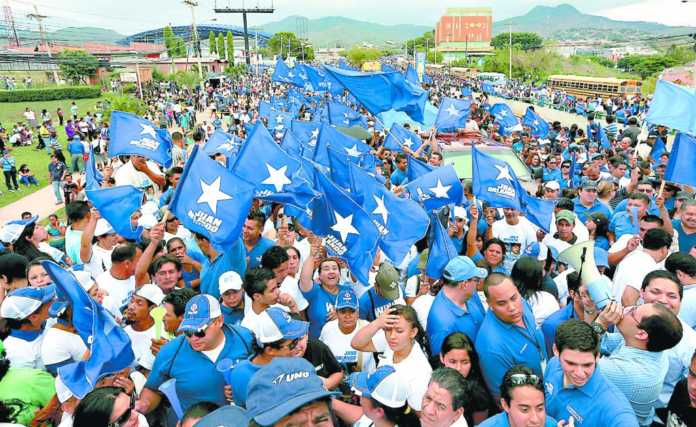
<point x="274" y="331"/>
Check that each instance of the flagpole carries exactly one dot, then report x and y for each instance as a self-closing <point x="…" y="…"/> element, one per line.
<point x="662" y="188"/>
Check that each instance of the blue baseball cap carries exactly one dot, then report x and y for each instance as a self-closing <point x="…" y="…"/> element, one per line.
<point x="346" y="298"/>
<point x="382" y="385"/>
<point x="227" y="416"/>
<point x="21" y="303"/>
<point x="532" y="250"/>
<point x="463" y="268"/>
<point x="274" y="324"/>
<point x="11" y="231"/>
<point x="601" y="257"/>
<point x="281" y="387"/>
<point x="200" y="310"/>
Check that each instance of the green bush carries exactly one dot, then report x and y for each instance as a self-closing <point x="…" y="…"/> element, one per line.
<point x="50" y="93"/>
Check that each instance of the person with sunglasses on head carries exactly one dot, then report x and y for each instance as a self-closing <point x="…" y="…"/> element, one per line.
<point x="108" y="407"/>
<point x="192" y="358"/>
<point x="277" y="335"/>
<point x="522" y="399"/>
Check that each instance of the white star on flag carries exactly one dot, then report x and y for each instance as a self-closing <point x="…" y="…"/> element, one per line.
<point x="211" y="194"/>
<point x="148" y="130"/>
<point x="381" y="209"/>
<point x="291" y="75"/>
<point x="440" y="190"/>
<point x="535" y="123"/>
<point x="315" y="133"/>
<point x="353" y="151"/>
<point x="277" y="177"/>
<point x="452" y="111"/>
<point x="408" y="142"/>
<point x="344" y="226"/>
<point x="503" y="172"/>
<point x="502" y="113"/>
<point x="279" y="118"/>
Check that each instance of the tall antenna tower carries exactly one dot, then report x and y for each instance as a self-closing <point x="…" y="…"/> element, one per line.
<point x="12" y="38"/>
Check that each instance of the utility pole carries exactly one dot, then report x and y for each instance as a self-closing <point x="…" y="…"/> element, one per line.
<point x="510" y="53"/>
<point x="244" y="11"/>
<point x="39" y="18"/>
<point x="12" y="38"/>
<point x="194" y="37"/>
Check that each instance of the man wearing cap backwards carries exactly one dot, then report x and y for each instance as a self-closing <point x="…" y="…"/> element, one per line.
<point x="140" y="326"/>
<point x="385" y="292"/>
<point x="97" y="256"/>
<point x="278" y="335"/>
<point x="457" y="307"/>
<point x="586" y="203"/>
<point x="192" y="358"/>
<point x="25" y="311"/>
<point x="287" y="393"/>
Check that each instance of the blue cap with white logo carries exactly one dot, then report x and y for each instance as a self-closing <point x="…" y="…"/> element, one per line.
<point x="200" y="310"/>
<point x="20" y="303"/>
<point x="281" y="387"/>
<point x="346" y="298"/>
<point x="274" y="324"/>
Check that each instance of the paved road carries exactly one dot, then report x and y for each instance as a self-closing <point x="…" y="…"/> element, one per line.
<point x="41" y="203"/>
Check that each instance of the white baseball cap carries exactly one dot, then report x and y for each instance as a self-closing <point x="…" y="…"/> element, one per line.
<point x="229" y="280"/>
<point x="151" y="292"/>
<point x="103" y="227"/>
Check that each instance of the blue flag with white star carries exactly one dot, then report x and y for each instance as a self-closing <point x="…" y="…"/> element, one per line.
<point x="292" y="145"/>
<point x="487" y="88"/>
<point x="348" y="230"/>
<point x="540" y="128"/>
<point x="285" y="74"/>
<point x="340" y="172"/>
<point x="211" y="200"/>
<point x="329" y="136"/>
<point x="505" y="118"/>
<point x="109" y="346"/>
<point x="274" y="172"/>
<point x="222" y="142"/>
<point x="437" y="188"/>
<point x="398" y="232"/>
<point x="306" y="132"/>
<point x="441" y="250"/>
<point x="341" y="115"/>
<point x="93" y="177"/>
<point x="117" y="205"/>
<point x="417" y="169"/>
<point x="453" y="114"/>
<point x="133" y="135"/>
<point x="398" y="136"/>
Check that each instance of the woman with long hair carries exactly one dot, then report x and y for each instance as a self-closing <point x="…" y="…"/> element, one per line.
<point x="106" y="406"/>
<point x="528" y="275"/>
<point x="398" y="335"/>
<point x="598" y="226"/>
<point x="27" y="243"/>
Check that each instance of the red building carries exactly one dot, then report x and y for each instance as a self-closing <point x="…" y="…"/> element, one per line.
<point x="464" y="31"/>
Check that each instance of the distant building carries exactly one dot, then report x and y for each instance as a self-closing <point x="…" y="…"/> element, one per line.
<point x="464" y="31"/>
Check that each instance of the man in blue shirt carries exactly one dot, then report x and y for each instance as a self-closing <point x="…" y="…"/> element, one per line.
<point x="457" y="307"/>
<point x="522" y="400"/>
<point x="192" y="358"/>
<point x="686" y="225"/>
<point x="231" y="297"/>
<point x="508" y="335"/>
<point x="230" y="260"/>
<point x="586" y="203"/>
<point x="576" y="388"/>
<point x="254" y="244"/>
<point x="626" y="221"/>
<point x="385" y="293"/>
<point x="399" y="176"/>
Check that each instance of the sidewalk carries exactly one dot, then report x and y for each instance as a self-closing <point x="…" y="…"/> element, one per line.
<point x="41" y="203"/>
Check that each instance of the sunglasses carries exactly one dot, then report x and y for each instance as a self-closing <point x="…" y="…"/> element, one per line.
<point x="198" y="334"/>
<point x="123" y="419"/>
<point x="524" y="379"/>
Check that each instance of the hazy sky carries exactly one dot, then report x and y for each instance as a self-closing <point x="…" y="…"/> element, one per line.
<point x="131" y="16"/>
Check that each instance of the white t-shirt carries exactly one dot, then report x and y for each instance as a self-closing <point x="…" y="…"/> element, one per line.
<point x="24" y="354"/>
<point x="59" y="345"/>
<point x="523" y="233"/>
<point x="140" y="343"/>
<point x="251" y="319"/>
<point x="128" y="175"/>
<point x="100" y="260"/>
<point x="119" y="292"/>
<point x="422" y="306"/>
<point x="632" y="270"/>
<point x="339" y="343"/>
<point x="215" y="353"/>
<point x="291" y="287"/>
<point x="415" y="370"/>
<point x="543" y="305"/>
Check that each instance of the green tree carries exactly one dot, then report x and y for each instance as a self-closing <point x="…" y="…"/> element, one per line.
<point x="434" y="57"/>
<point x="230" y="48"/>
<point x="180" y="47"/>
<point x="427" y="40"/>
<point x="359" y="55"/>
<point x="77" y="65"/>
<point x="221" y="45"/>
<point x="286" y="43"/>
<point x="169" y="41"/>
<point x="212" y="43"/>
<point x="524" y="41"/>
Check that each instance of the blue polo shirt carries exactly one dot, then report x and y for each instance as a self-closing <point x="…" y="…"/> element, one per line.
<point x="501" y="346"/>
<point x="552" y="175"/>
<point x="197" y="378"/>
<point x="233" y="316"/>
<point x="501" y="420"/>
<point x="652" y="207"/>
<point x="548" y="327"/>
<point x="233" y="259"/>
<point x="371" y="304"/>
<point x="621" y="224"/>
<point x="597" y="403"/>
<point x="686" y="241"/>
<point x="257" y="251"/>
<point x="398" y="177"/>
<point x="446" y="317"/>
<point x="320" y="303"/>
<point x="240" y="377"/>
<point x="583" y="213"/>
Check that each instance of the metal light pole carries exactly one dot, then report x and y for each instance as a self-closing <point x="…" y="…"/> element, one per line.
<point x="39" y="19"/>
<point x="196" y="43"/>
<point x="510" y="53"/>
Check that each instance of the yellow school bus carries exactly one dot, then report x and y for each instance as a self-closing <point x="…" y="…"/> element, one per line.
<point x="593" y="86"/>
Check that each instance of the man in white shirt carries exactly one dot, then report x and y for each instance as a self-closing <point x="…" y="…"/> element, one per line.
<point x="261" y="287"/>
<point x="97" y="256"/>
<point x="445" y="400"/>
<point x="632" y="270"/>
<point x="119" y="281"/>
<point x="276" y="259"/>
<point x="140" y="327"/>
<point x="513" y="229"/>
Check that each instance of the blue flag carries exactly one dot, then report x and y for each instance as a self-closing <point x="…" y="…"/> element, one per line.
<point x="284" y="74"/>
<point x="441" y="250"/>
<point x="386" y="68"/>
<point x="417" y="169"/>
<point x="487" y="88"/>
<point x="379" y="92"/>
<point x="580" y="108"/>
<point x="412" y="75"/>
<point x="329" y="136"/>
<point x="680" y="168"/>
<point x="343" y="65"/>
<point x="109" y="345"/>
<point x="436" y="189"/>
<point x="306" y="132"/>
<point x="274" y="172"/>
<point x="398" y="136"/>
<point x="341" y="115"/>
<point x="292" y="145"/>
<point x="117" y="205"/>
<point x="265" y="108"/>
<point x="340" y="173"/>
<point x="211" y="200"/>
<point x="505" y="118"/>
<point x="133" y="135"/>
<point x="466" y="92"/>
<point x="401" y="222"/>
<point x="495" y="182"/>
<point x="349" y="231"/>
<point x="93" y="177"/>
<point x="674" y="106"/>
<point x="453" y="113"/>
<point x="539" y="126"/>
<point x="604" y="139"/>
<point x="222" y="142"/>
<point x="658" y="149"/>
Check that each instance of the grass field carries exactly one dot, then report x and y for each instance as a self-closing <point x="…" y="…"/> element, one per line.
<point x="10" y="113"/>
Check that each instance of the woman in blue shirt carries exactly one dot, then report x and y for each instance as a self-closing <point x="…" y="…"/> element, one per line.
<point x="598" y="226"/>
<point x="321" y="295"/>
<point x="9" y="169"/>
